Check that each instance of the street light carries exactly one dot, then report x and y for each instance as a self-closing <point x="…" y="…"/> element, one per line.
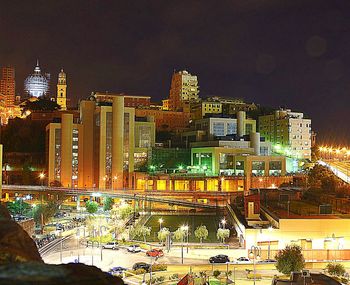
<point x="223" y="222"/>
<point x="105" y="181"/>
<point x="61" y="247"/>
<point x="254" y="254"/>
<point x="185" y="228"/>
<point x="115" y="177"/>
<point x="78" y="241"/>
<point x="160" y="224"/>
<point x="42" y="176"/>
<point x="270" y="229"/>
<point x="101" y="238"/>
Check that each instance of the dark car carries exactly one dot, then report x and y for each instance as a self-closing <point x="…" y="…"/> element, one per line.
<point x="221" y="258"/>
<point x="118" y="270"/>
<point x="267" y="261"/>
<point x="141" y="265"/>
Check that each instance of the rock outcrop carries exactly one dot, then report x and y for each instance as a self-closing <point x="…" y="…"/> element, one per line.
<point x="20" y="262"/>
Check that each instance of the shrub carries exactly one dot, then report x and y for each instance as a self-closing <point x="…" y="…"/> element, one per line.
<point x="216" y="273"/>
<point x="159" y="267"/>
<point x="335" y="269"/>
<point x="135" y="272"/>
<point x="251" y="276"/>
<point x="175" y="276"/>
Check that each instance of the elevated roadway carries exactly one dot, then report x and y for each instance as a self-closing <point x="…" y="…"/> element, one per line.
<point x="192" y="199"/>
<point x="339" y="168"/>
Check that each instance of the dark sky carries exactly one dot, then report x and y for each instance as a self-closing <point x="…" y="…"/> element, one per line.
<point x="291" y="53"/>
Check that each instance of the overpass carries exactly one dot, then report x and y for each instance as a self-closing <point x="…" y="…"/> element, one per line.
<point x="339" y="168"/>
<point x="210" y="200"/>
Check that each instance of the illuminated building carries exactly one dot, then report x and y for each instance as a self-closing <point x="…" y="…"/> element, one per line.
<point x="184" y="89"/>
<point x="166" y="120"/>
<point x="7" y="85"/>
<point x="289" y="132"/>
<point x="135" y="101"/>
<point x="165" y="104"/>
<point x="37" y="84"/>
<point x="102" y="149"/>
<point x="1" y="170"/>
<point x="220" y="127"/>
<point x="61" y="98"/>
<point x="219" y="105"/>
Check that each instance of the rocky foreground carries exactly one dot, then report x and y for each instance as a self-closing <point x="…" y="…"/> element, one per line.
<point x="20" y="261"/>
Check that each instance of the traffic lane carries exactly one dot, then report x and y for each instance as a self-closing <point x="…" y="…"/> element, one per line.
<point x="122" y="257"/>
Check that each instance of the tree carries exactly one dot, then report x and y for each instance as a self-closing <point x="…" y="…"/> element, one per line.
<point x="162" y="234"/>
<point x="91" y="207"/>
<point x="39" y="104"/>
<point x="124" y="211"/>
<point x="223" y="234"/>
<point x="108" y="203"/>
<point x="142" y="231"/>
<point x="179" y="234"/>
<point x="290" y="259"/>
<point x="201" y="233"/>
<point x="24" y="135"/>
<point x="335" y="269"/>
<point x="18" y="207"/>
<point x="43" y="213"/>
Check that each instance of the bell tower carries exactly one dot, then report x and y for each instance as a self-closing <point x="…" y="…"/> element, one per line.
<point x="62" y="90"/>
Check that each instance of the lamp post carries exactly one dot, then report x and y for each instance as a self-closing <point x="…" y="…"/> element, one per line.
<point x="101" y="238"/>
<point x="270" y="228"/>
<point x="160" y="223"/>
<point x="115" y="177"/>
<point x="105" y="181"/>
<point x="61" y="246"/>
<point x="185" y="228"/>
<point x="254" y="254"/>
<point x="78" y="241"/>
<point x="223" y="222"/>
<point x="42" y="176"/>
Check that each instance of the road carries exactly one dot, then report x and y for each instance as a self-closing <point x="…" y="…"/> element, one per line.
<point x="110" y="258"/>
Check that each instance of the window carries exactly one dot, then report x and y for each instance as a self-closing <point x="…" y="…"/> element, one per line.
<point x="218" y="129"/>
<point x="231" y="128"/>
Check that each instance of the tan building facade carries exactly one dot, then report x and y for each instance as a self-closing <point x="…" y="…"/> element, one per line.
<point x="289" y="132"/>
<point x="184" y="89"/>
<point x="61" y="97"/>
<point x="98" y="152"/>
<point x="7" y="85"/>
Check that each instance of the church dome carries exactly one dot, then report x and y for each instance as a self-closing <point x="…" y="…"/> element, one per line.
<point x="37" y="84"/>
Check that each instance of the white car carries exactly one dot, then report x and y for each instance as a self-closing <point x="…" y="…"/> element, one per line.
<point x="134" y="248"/>
<point x="243" y="260"/>
<point x="110" y="245"/>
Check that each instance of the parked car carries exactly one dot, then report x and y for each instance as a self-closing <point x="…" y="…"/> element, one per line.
<point x="141" y="265"/>
<point x="156" y="252"/>
<point x="134" y="248"/>
<point x="111" y="245"/>
<point x="243" y="260"/>
<point x="118" y="270"/>
<point x="221" y="258"/>
<point x="269" y="260"/>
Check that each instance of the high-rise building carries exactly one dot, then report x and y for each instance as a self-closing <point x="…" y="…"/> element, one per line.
<point x="102" y="149"/>
<point x="289" y="132"/>
<point x="7" y="85"/>
<point x="61" y="98"/>
<point x="184" y="90"/>
<point x="37" y="84"/>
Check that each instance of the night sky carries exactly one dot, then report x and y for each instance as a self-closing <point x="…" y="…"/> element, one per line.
<point x="279" y="53"/>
